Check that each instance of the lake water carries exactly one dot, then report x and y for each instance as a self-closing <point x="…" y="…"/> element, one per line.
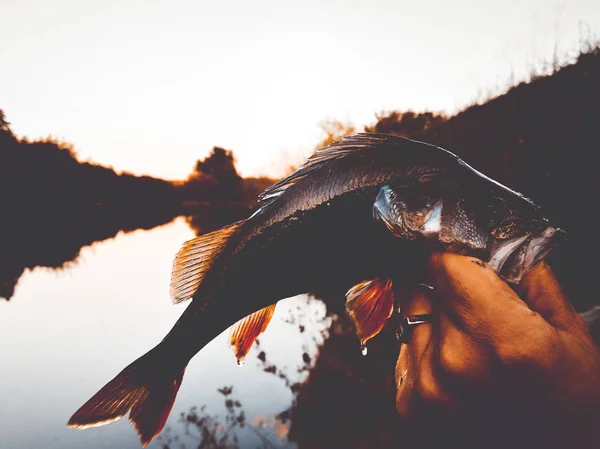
<point x="66" y="332"/>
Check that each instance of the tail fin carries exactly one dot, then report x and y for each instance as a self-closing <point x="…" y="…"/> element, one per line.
<point x="147" y="387"/>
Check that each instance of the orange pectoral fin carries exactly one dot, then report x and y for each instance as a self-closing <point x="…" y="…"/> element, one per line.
<point x="246" y="331"/>
<point x="370" y="304"/>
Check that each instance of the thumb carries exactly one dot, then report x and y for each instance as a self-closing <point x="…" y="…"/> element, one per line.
<point x="474" y="297"/>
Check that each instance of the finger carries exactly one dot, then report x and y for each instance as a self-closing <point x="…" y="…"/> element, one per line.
<point x="542" y="293"/>
<point x="415" y="379"/>
<point x="405" y="380"/>
<point x="463" y="362"/>
<point x="475" y="297"/>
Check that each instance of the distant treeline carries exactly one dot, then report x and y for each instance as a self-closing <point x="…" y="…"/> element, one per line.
<point x="215" y="180"/>
<point x="48" y="172"/>
<point x="52" y="204"/>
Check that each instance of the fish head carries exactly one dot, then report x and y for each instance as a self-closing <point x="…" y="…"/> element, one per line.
<point x="470" y="216"/>
<point x="530" y="250"/>
<point x="520" y="235"/>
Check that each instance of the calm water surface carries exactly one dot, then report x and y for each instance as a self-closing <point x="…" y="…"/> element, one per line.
<point x="66" y="333"/>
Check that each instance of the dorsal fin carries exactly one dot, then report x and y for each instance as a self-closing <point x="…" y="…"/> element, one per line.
<point x="320" y="157"/>
<point x="193" y="260"/>
<point x="245" y="331"/>
<point x="370" y="304"/>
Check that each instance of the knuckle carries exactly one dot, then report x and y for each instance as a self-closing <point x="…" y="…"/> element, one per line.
<point x="452" y="363"/>
<point x="430" y="391"/>
<point x="534" y="346"/>
<point x="403" y="409"/>
<point x="478" y="262"/>
<point x="404" y="402"/>
<point x="451" y="265"/>
<point x="512" y="355"/>
<point x="439" y="261"/>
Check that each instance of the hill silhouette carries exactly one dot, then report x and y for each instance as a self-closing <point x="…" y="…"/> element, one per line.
<point x="539" y="138"/>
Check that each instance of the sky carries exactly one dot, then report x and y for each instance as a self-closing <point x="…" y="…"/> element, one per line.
<point x="149" y="87"/>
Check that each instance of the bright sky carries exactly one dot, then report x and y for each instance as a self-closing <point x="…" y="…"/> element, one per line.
<point x="150" y="86"/>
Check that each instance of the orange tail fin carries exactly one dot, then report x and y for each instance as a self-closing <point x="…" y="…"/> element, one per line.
<point x="147" y="387"/>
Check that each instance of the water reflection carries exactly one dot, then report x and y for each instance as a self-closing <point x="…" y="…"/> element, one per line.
<point x="303" y="317"/>
<point x="339" y="398"/>
<point x="33" y="236"/>
<point x="256" y="410"/>
<point x="213" y="432"/>
<point x="67" y="332"/>
<point x="305" y="384"/>
<point x="37" y="236"/>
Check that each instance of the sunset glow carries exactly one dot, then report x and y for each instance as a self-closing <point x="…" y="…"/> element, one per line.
<point x="149" y="87"/>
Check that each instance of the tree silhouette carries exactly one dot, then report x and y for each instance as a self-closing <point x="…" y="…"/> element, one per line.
<point x="4" y="125"/>
<point x="405" y="124"/>
<point x="334" y="130"/>
<point x="214" y="178"/>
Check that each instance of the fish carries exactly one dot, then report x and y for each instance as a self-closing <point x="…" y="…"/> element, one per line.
<point x="353" y="218"/>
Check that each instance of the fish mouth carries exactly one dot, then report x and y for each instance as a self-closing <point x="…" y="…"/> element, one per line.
<point x="514" y="258"/>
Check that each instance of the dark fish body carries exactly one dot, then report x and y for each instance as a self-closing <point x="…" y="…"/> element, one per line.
<point x="320" y="232"/>
<point x="302" y="255"/>
<point x="359" y="209"/>
<point x="315" y="233"/>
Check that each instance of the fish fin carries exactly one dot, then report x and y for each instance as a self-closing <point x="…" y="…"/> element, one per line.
<point x="370" y="304"/>
<point x="147" y="387"/>
<point x="195" y="258"/>
<point x="333" y="151"/>
<point x="245" y="331"/>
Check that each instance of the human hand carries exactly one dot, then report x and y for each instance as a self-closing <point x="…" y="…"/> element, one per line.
<point x="498" y="367"/>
